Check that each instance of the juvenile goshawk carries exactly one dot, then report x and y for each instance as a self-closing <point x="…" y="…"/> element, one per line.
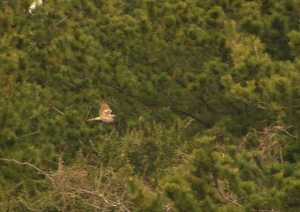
<point x="104" y="113"/>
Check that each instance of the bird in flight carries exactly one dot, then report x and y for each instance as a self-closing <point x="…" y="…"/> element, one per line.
<point x="104" y="113"/>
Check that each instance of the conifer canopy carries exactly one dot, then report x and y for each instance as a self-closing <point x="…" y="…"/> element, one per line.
<point x="206" y="95"/>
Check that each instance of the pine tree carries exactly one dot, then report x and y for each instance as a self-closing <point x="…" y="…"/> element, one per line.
<point x="225" y="69"/>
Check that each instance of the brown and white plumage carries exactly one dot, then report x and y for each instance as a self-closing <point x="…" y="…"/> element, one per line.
<point x="104" y="113"/>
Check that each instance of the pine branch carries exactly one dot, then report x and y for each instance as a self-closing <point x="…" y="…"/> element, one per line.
<point x="30" y="134"/>
<point x="192" y="116"/>
<point x="87" y="115"/>
<point x="71" y="85"/>
<point x="37" y="42"/>
<point x="53" y="107"/>
<point x="175" y="62"/>
<point x="27" y="206"/>
<point x="60" y="21"/>
<point x="25" y="163"/>
<point x="217" y="187"/>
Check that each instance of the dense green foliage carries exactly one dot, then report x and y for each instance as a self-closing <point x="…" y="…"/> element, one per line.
<point x="206" y="95"/>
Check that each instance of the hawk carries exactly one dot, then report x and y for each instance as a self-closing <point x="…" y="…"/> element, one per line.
<point x="104" y="113"/>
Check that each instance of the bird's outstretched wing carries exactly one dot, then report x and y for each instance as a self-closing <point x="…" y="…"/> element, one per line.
<point x="104" y="109"/>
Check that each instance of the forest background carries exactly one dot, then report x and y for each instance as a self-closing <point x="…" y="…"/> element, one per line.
<point x="206" y="94"/>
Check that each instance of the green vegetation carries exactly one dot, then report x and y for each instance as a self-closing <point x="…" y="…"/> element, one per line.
<point x="206" y="94"/>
